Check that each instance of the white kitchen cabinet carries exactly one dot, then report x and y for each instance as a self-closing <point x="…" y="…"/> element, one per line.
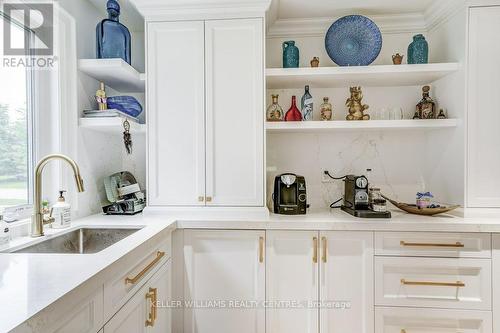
<point x="495" y="282"/>
<point x="220" y="268"/>
<point x="346" y="282"/>
<point x="292" y="275"/>
<point x="205" y="88"/>
<point x="483" y="116"/>
<point x="141" y="313"/>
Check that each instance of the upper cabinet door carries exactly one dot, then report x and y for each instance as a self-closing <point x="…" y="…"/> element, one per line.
<point x="346" y="278"/>
<point x="176" y="116"/>
<point x="235" y="112"/>
<point x="483" y="115"/>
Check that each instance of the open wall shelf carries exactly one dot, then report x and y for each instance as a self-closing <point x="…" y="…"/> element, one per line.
<point x="336" y="125"/>
<point x="111" y="125"/>
<point x="376" y="75"/>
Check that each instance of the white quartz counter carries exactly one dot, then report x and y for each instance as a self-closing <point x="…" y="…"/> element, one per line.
<point x="31" y="282"/>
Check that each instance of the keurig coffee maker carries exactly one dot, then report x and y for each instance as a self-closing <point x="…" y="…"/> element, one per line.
<point x="356" y="198"/>
<point x="290" y="197"/>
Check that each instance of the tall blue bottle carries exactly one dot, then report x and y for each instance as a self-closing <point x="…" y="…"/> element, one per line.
<point x="112" y="37"/>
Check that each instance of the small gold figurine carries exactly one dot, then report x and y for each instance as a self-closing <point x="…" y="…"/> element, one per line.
<point x="356" y="108"/>
<point x="315" y="62"/>
<point x="397" y="59"/>
<point x="100" y="97"/>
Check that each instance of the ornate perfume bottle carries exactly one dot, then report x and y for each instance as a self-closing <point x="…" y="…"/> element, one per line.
<point x="426" y="108"/>
<point x="306" y="105"/>
<point x="293" y="114"/>
<point x="274" y="111"/>
<point x="326" y="110"/>
<point x="112" y="37"/>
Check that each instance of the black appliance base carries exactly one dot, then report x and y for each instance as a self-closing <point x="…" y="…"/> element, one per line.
<point x="366" y="213"/>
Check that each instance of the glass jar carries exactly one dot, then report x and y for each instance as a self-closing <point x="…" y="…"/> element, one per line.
<point x="379" y="205"/>
<point x="374" y="194"/>
<point x="326" y="110"/>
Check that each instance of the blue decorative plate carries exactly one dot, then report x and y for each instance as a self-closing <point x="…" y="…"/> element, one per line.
<point x="353" y="40"/>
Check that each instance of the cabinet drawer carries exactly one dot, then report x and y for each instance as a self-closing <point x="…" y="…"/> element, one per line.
<point x="425" y="244"/>
<point x="134" y="270"/>
<point x="433" y="282"/>
<point x="415" y="320"/>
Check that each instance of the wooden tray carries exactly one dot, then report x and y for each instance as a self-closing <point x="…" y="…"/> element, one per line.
<point x="413" y="209"/>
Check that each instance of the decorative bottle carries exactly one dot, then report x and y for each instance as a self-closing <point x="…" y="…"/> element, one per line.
<point x="293" y="114"/>
<point x="306" y="105"/>
<point x="426" y="108"/>
<point x="418" y="50"/>
<point x="290" y="55"/>
<point x="274" y="111"/>
<point x="112" y="37"/>
<point x="326" y="110"/>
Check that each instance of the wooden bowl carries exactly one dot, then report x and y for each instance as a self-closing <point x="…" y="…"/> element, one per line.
<point x="413" y="209"/>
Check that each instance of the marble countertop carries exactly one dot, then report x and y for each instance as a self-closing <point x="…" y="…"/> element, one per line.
<point x="31" y="282"/>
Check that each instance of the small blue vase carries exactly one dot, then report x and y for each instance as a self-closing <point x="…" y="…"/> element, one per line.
<point x="290" y="55"/>
<point x="418" y="50"/>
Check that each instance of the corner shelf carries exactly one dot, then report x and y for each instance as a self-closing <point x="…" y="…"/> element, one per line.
<point x="336" y="125"/>
<point x="376" y="75"/>
<point x="115" y="73"/>
<point x="110" y="125"/>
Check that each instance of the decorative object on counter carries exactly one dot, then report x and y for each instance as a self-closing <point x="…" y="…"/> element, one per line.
<point x="4" y="233"/>
<point x="418" y="50"/>
<point x="306" y="105"/>
<point x="290" y="195"/>
<point x="274" y="111"/>
<point x="442" y="114"/>
<point x="353" y="40"/>
<point x="290" y="55"/>
<point x="426" y="108"/>
<point x="356" y="108"/>
<point x="18" y="213"/>
<point x="315" y="62"/>
<point x="100" y="97"/>
<point x="413" y="209"/>
<point x="61" y="212"/>
<point x="424" y="199"/>
<point x="326" y="110"/>
<point x="397" y="59"/>
<point x="112" y="37"/>
<point x="127" y="137"/>
<point x="124" y="194"/>
<point x="126" y="104"/>
<point x="293" y="114"/>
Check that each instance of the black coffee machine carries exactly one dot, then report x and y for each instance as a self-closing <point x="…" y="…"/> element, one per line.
<point x="356" y="198"/>
<point x="290" y="197"/>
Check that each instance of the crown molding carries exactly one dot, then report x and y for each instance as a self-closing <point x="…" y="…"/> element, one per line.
<point x="308" y="27"/>
<point x="441" y="11"/>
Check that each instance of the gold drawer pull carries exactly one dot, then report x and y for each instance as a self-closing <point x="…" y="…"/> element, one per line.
<point x="153" y="296"/>
<point x="457" y="284"/>
<point x="208" y="199"/>
<point x="325" y="246"/>
<point x="261" y="249"/>
<point x="457" y="244"/>
<point x="403" y="330"/>
<point x="136" y="278"/>
<point x="315" y="251"/>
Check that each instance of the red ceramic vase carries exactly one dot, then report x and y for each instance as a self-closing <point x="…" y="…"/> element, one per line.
<point x="293" y="114"/>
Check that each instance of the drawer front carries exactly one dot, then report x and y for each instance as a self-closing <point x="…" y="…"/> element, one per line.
<point x="453" y="283"/>
<point x="426" y="244"/>
<point x="132" y="273"/>
<point x="415" y="320"/>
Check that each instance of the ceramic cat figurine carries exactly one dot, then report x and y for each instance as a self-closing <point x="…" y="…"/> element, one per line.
<point x="356" y="108"/>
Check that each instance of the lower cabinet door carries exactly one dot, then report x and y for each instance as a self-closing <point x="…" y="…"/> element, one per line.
<point x="224" y="281"/>
<point x="292" y="281"/>
<point x="346" y="282"/>
<point x="146" y="311"/>
<point x="418" y="320"/>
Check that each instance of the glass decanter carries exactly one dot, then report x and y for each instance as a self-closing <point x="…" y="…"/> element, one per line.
<point x="426" y="108"/>
<point x="293" y="114"/>
<point x="274" y="111"/>
<point x="326" y="110"/>
<point x="112" y="37"/>
<point x="306" y="105"/>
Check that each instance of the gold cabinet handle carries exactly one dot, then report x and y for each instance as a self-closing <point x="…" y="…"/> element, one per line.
<point x="261" y="249"/>
<point x="325" y="247"/>
<point x="201" y="198"/>
<point x="153" y="297"/>
<point x="136" y="278"/>
<point x="457" y="244"/>
<point x="458" y="284"/>
<point x="403" y="330"/>
<point x="208" y="199"/>
<point x="315" y="251"/>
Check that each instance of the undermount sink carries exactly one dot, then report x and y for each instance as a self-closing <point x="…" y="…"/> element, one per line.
<point x="80" y="241"/>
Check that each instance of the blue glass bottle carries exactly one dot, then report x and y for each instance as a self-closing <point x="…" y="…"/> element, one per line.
<point x="112" y="37"/>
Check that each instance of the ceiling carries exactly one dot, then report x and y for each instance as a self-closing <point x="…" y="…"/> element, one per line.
<point x="129" y="15"/>
<point x="292" y="9"/>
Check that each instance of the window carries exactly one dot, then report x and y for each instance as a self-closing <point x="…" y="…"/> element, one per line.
<point x="15" y="128"/>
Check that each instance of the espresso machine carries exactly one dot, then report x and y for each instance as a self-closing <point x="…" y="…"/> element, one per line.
<point x="290" y="196"/>
<point x="357" y="200"/>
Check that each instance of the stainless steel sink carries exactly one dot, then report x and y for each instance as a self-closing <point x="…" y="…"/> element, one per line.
<point x="83" y="240"/>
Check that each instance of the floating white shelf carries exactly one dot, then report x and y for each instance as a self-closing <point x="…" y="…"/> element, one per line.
<point x="376" y="75"/>
<point x="112" y="125"/>
<point x="337" y="125"/>
<point x="115" y="73"/>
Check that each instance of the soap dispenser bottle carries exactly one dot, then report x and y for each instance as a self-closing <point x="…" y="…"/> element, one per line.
<point x="61" y="212"/>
